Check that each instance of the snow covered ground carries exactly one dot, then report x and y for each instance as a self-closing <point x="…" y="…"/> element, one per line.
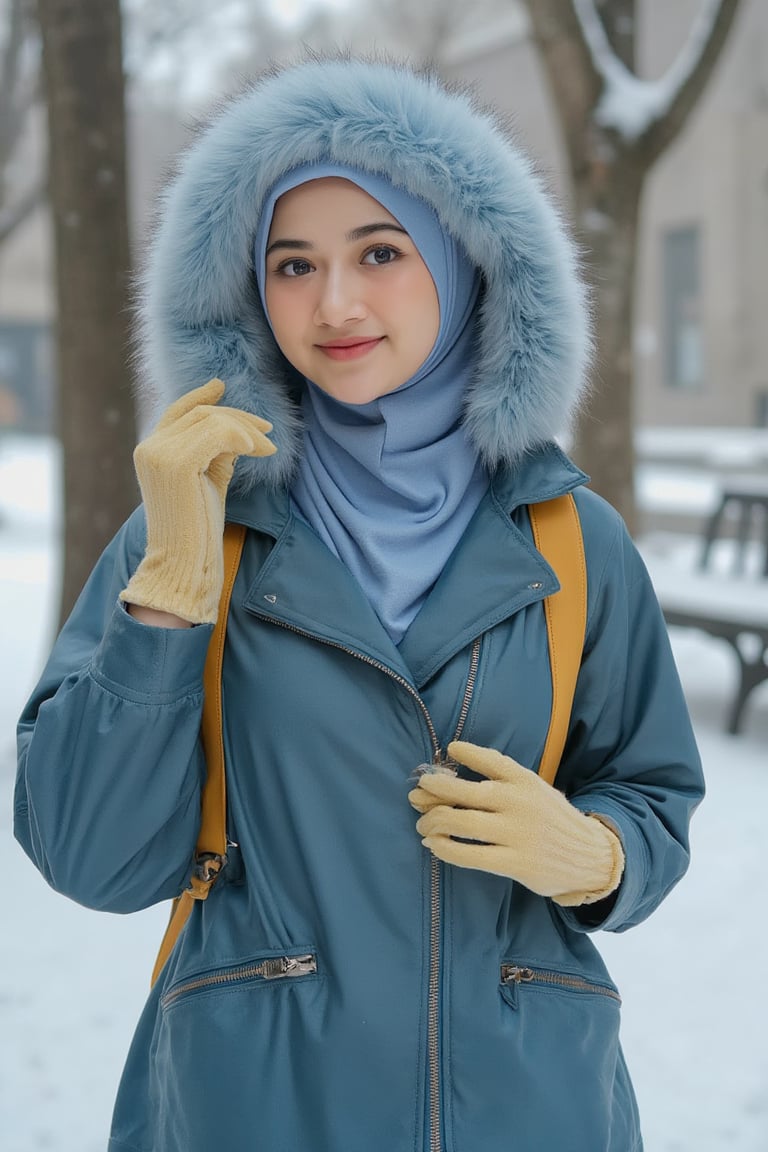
<point x="72" y="982"/>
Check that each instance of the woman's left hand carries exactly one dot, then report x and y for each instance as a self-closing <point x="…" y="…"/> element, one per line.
<point x="521" y="827"/>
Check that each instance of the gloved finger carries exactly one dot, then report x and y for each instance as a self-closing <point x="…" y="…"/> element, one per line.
<point x="199" y="402"/>
<point x="483" y="857"/>
<point x="222" y="415"/>
<point x="463" y="822"/>
<point x="253" y="421"/>
<point x="261" y="446"/>
<point x="204" y="433"/>
<point x="485" y="761"/>
<point x="209" y="393"/>
<point x="480" y="794"/>
<point x="258" y="422"/>
<point x="422" y="801"/>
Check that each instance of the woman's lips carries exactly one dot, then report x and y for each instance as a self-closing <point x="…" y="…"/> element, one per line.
<point x="350" y="349"/>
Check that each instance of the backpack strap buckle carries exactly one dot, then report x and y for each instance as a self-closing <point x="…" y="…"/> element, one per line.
<point x="205" y="871"/>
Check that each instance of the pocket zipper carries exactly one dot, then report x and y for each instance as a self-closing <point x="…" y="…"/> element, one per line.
<point x="273" y="968"/>
<point x="514" y="975"/>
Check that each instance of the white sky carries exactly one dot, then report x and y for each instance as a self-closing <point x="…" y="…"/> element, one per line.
<point x="290" y="12"/>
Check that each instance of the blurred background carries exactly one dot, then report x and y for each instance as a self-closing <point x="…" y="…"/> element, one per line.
<point x="648" y="121"/>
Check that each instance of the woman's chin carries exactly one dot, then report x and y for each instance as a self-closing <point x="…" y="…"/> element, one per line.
<point x="355" y="393"/>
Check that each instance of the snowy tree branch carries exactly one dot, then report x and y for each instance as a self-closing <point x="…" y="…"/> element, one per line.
<point x="654" y="110"/>
<point x="692" y="71"/>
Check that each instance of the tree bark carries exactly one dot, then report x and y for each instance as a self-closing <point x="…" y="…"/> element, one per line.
<point x="82" y="61"/>
<point x="608" y="234"/>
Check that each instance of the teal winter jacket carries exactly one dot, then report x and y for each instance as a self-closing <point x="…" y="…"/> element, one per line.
<point x="338" y="992"/>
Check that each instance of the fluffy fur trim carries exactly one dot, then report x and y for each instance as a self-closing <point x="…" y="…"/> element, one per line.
<point x="200" y="310"/>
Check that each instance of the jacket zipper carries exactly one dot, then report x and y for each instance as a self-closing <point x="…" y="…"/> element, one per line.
<point x="437" y="754"/>
<point x="435" y="926"/>
<point x="516" y="974"/>
<point x="435" y="933"/>
<point x="273" y="968"/>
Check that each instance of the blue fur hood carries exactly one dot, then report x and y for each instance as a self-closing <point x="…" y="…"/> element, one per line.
<point x="200" y="310"/>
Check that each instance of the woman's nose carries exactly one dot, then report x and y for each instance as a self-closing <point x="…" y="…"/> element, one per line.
<point x="340" y="300"/>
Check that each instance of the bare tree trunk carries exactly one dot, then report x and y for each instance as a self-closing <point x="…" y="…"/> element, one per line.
<point x="604" y="440"/>
<point x="82" y="59"/>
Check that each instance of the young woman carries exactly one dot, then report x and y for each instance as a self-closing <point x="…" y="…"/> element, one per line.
<point x="371" y="269"/>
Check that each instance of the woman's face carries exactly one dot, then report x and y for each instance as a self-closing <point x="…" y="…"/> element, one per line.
<point x="351" y="302"/>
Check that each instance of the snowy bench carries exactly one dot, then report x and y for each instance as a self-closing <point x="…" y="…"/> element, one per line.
<point x="718" y="583"/>
<point x="747" y="497"/>
<point x="735" y="609"/>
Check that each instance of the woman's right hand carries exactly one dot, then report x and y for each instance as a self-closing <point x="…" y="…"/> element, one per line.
<point x="184" y="468"/>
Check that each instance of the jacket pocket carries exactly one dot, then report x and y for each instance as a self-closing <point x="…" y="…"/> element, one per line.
<point x="541" y="1040"/>
<point x="272" y="968"/>
<point x="515" y="977"/>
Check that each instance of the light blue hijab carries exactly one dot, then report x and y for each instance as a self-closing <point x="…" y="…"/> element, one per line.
<point x="391" y="485"/>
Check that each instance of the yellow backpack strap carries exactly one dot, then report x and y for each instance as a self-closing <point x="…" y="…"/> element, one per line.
<point x="557" y="535"/>
<point x="211" y="851"/>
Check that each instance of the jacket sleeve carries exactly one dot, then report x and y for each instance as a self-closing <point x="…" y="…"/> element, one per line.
<point x="107" y="801"/>
<point x="631" y="754"/>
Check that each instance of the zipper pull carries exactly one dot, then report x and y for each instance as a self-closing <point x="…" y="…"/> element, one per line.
<point x="281" y="966"/>
<point x="301" y="965"/>
<point x="441" y="764"/>
<point x="512" y="974"/>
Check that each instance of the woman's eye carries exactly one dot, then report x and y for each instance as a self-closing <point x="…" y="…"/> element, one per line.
<point x="295" y="268"/>
<point x="381" y="254"/>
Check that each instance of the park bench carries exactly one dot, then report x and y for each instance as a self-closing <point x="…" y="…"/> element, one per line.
<point x="748" y="499"/>
<point x="725" y="593"/>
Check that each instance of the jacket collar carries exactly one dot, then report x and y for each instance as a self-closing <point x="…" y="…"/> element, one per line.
<point x="493" y="573"/>
<point x="541" y="475"/>
<point x="496" y="570"/>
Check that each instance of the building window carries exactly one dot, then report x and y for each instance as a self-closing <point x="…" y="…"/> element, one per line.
<point x="26" y="376"/>
<point x="761" y="408"/>
<point x="683" y="335"/>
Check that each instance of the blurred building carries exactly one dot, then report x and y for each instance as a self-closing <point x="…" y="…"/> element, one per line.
<point x="701" y="332"/>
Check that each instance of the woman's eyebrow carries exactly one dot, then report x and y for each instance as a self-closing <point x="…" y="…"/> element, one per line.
<point x="367" y="229"/>
<point x="356" y="234"/>
<point x="303" y="245"/>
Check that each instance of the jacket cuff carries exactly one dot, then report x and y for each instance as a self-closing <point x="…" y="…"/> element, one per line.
<point x="145" y="664"/>
<point x="621" y="904"/>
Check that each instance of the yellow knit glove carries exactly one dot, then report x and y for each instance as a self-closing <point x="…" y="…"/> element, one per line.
<point x="184" y="468"/>
<point x="523" y="828"/>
